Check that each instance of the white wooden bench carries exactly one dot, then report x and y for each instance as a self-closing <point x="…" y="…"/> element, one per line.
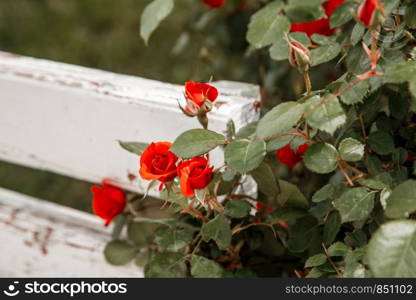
<point x="67" y="119"/>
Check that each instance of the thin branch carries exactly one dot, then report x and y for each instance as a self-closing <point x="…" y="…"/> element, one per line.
<point x="331" y="261"/>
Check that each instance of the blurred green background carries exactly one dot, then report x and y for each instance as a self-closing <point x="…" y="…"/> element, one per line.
<point x="104" y="34"/>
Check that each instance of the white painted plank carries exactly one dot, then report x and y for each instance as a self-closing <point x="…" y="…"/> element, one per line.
<point x="42" y="239"/>
<point x="67" y="119"/>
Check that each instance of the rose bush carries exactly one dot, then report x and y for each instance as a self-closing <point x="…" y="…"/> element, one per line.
<point x="332" y="154"/>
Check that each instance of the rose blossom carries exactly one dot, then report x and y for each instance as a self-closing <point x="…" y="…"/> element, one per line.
<point x="108" y="201"/>
<point x="195" y="174"/>
<point x="158" y="163"/>
<point x="288" y="157"/>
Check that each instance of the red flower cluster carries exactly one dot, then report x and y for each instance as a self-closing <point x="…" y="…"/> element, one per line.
<point x="215" y="3"/>
<point x="320" y="26"/>
<point x="108" y="201"/>
<point x="199" y="97"/>
<point x="288" y="157"/>
<point x="368" y="11"/>
<point x="158" y="163"/>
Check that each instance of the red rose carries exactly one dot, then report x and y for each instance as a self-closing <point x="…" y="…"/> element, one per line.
<point x="158" y="163"/>
<point x="197" y="94"/>
<point x="370" y="12"/>
<point x="195" y="174"/>
<point x="320" y="26"/>
<point x="299" y="56"/>
<point x="287" y="156"/>
<point x="214" y="3"/>
<point x="108" y="201"/>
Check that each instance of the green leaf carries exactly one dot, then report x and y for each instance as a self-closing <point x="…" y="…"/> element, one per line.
<point x="166" y="265"/>
<point x="356" y="93"/>
<point x="410" y="16"/>
<point x="237" y="209"/>
<point x="291" y="195"/>
<point x="217" y="229"/>
<point x="325" y="193"/>
<point x="267" y="25"/>
<point x="280" y="119"/>
<point x="196" y="142"/>
<point x="266" y="180"/>
<point x="331" y="228"/>
<point x="324" y="54"/>
<point x="202" y="267"/>
<point x="321" y="158"/>
<point x="173" y="239"/>
<point x="280" y="49"/>
<point x="338" y="249"/>
<point x="402" y="200"/>
<point x="248" y="130"/>
<point x="315" y="261"/>
<point x="245" y="155"/>
<point x="304" y="13"/>
<point x="326" y="117"/>
<point x="357" y="34"/>
<point x="342" y="14"/>
<point x="280" y="142"/>
<point x="154" y="13"/>
<point x="139" y="233"/>
<point x="400" y="72"/>
<point x="119" y="253"/>
<point x="302" y="234"/>
<point x="355" y="204"/>
<point x="381" y="142"/>
<point x="351" y="150"/>
<point x="142" y="258"/>
<point x="392" y="250"/>
<point x="134" y="147"/>
<point x="287" y="213"/>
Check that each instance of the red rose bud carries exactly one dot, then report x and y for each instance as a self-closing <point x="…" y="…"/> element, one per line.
<point x="299" y="57"/>
<point x="108" y="201"/>
<point x="283" y="224"/>
<point x="158" y="163"/>
<point x="214" y="3"/>
<point x="200" y="97"/>
<point x="194" y="174"/>
<point x="261" y="206"/>
<point x="371" y="13"/>
<point x="288" y="157"/>
<point x="320" y="26"/>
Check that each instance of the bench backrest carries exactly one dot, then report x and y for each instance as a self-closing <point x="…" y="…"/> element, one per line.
<point x="68" y="119"/>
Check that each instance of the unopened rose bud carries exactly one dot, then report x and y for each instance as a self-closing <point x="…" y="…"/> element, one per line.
<point x="299" y="57"/>
<point x="199" y="98"/>
<point x="371" y="13"/>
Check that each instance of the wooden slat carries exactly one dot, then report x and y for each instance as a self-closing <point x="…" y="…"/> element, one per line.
<point x="42" y="239"/>
<point x="67" y="119"/>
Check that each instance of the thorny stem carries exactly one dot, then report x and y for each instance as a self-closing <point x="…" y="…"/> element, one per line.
<point x="308" y="83"/>
<point x="362" y="127"/>
<point x="374" y="51"/>
<point x="341" y="168"/>
<point x="343" y="90"/>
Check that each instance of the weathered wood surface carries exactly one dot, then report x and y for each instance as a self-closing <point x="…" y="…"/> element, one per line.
<point x="42" y="239"/>
<point x="67" y="119"/>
